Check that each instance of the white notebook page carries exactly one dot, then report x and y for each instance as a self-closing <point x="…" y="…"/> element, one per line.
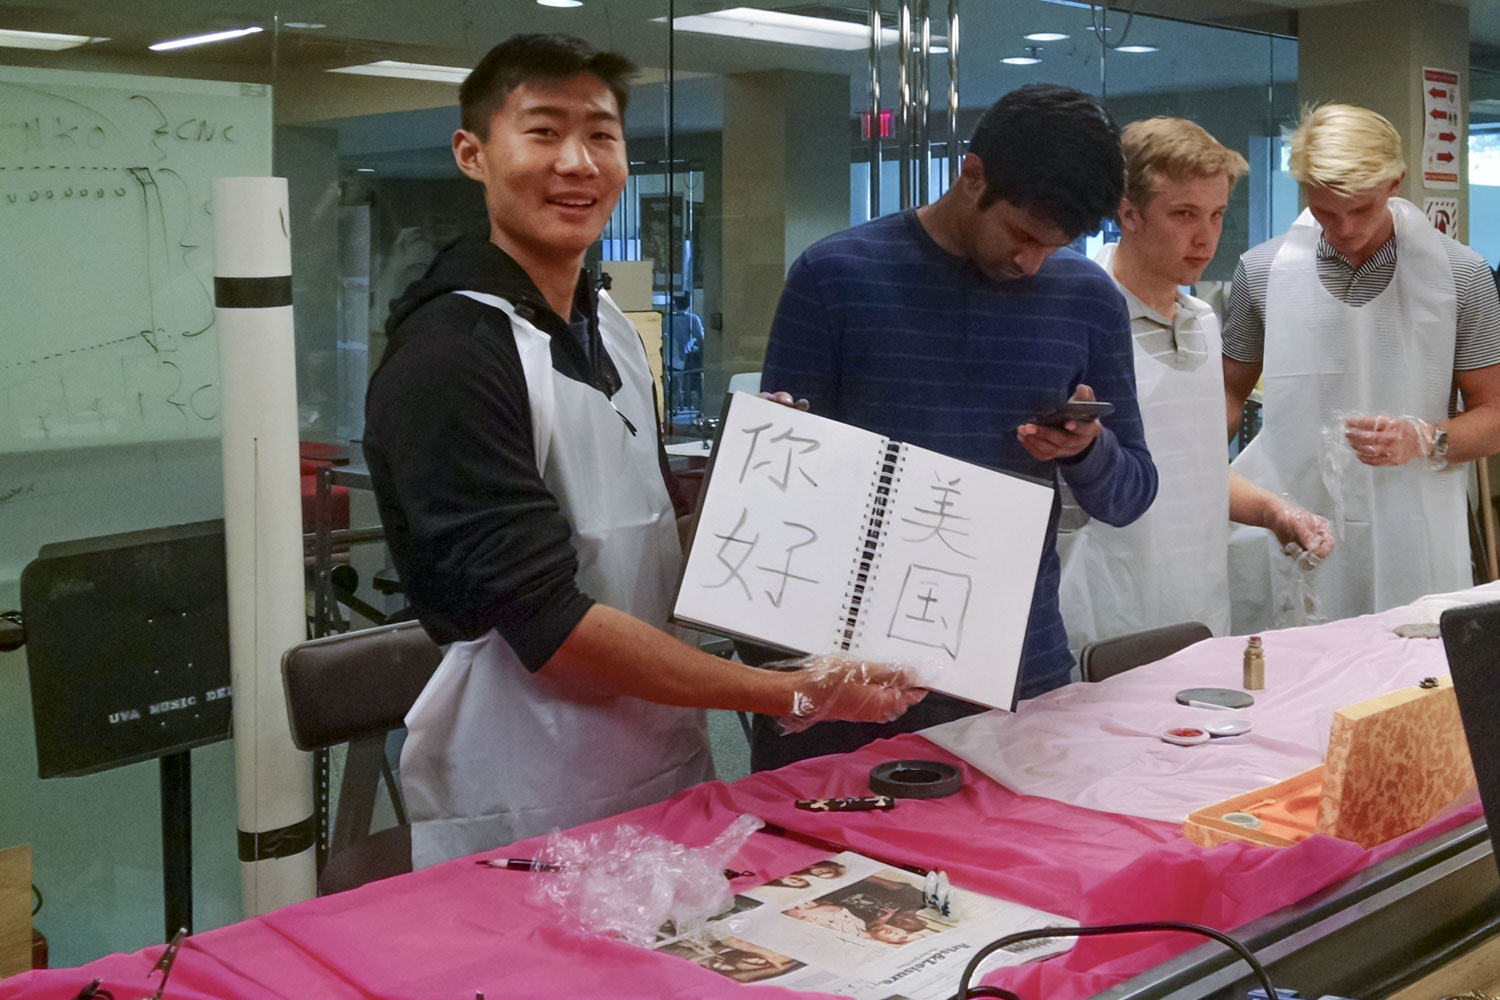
<point x="954" y="575"/>
<point x="780" y="525"/>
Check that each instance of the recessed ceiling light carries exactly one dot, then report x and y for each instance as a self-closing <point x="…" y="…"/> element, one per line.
<point x="775" y="26"/>
<point x="217" y="36"/>
<point x="1136" y="48"/>
<point x="47" y="40"/>
<point x="408" y="71"/>
<point x="303" y="25"/>
<point x="560" y="3"/>
<point x="1047" y="36"/>
<point x="1031" y="58"/>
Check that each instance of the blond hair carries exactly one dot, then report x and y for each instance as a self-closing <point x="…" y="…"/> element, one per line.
<point x="1345" y="148"/>
<point x="1177" y="149"/>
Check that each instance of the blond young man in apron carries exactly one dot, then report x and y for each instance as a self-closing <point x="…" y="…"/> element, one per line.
<point x="511" y="437"/>
<point x="1171" y="565"/>
<point x="1370" y="320"/>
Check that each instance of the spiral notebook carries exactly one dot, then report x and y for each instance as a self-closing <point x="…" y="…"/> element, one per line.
<point x="815" y="536"/>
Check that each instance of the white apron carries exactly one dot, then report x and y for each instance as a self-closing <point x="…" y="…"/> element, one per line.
<point x="1401" y="531"/>
<point x="496" y="753"/>
<point x="1170" y="564"/>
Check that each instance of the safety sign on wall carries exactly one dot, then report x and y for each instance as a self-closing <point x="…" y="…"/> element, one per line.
<point x="1443" y="214"/>
<point x="1443" y="116"/>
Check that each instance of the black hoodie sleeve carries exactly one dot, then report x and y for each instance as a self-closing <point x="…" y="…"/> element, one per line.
<point x="477" y="537"/>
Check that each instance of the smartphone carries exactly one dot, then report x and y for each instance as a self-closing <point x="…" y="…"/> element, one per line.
<point x="1081" y="410"/>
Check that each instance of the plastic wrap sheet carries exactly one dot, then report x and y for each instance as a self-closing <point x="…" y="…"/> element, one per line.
<point x="1096" y="745"/>
<point x="459" y="927"/>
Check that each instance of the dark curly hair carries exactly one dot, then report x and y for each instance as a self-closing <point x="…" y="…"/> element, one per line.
<point x="1053" y="151"/>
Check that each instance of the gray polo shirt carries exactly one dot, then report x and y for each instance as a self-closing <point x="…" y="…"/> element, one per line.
<point x="1478" y="334"/>
<point x="1179" y="342"/>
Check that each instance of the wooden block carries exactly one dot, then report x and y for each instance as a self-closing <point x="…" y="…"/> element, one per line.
<point x="15" y="910"/>
<point x="1394" y="762"/>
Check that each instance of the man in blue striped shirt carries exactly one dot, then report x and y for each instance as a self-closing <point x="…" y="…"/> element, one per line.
<point x="953" y="325"/>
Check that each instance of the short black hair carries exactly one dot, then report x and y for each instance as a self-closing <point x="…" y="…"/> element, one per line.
<point x="1054" y="151"/>
<point x="521" y="59"/>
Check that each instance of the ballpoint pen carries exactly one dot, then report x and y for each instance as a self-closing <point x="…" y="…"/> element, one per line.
<point x="533" y="865"/>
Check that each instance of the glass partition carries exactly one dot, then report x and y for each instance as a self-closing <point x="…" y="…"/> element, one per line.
<point x="745" y="148"/>
<point x="108" y="392"/>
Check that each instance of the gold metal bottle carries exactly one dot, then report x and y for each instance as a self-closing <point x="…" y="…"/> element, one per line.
<point x="1255" y="665"/>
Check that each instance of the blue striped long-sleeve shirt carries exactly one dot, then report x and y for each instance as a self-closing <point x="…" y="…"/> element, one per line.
<point x="882" y="328"/>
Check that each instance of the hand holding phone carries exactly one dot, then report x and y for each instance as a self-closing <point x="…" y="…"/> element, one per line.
<point x="1067" y="430"/>
<point x="1080" y="410"/>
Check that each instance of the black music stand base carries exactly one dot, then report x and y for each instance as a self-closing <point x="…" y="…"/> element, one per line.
<point x="177" y="841"/>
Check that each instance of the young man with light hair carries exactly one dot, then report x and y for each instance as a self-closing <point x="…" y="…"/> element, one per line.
<point x="1171" y="565"/>
<point x="1364" y="321"/>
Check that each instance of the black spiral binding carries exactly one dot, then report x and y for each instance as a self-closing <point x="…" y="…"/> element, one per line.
<point x="870" y="545"/>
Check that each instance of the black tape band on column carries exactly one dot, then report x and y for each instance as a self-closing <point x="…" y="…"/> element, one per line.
<point x="253" y="293"/>
<point x="282" y="843"/>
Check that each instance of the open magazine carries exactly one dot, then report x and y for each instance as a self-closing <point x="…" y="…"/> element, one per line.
<point x="852" y="925"/>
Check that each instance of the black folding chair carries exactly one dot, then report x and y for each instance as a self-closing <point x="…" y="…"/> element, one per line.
<point x="1108" y="657"/>
<point x="355" y="688"/>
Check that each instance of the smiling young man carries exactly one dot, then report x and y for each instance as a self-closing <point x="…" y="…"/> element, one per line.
<point x="1171" y="564"/>
<point x="1364" y="320"/>
<point x="511" y="437"/>
<point x="953" y="325"/>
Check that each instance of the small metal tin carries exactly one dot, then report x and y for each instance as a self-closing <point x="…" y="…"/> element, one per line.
<point x="1220" y="697"/>
<point x="1185" y="736"/>
<point x="1244" y="819"/>
<point x="915" y="779"/>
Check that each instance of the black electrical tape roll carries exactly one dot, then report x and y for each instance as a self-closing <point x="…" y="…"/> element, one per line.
<point x="915" y="779"/>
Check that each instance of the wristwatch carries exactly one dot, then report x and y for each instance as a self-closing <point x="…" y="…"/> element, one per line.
<point x="1439" y="450"/>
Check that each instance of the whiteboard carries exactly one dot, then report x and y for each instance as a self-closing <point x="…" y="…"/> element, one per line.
<point x="106" y="252"/>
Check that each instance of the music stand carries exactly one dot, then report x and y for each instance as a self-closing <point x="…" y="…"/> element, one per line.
<point x="127" y="641"/>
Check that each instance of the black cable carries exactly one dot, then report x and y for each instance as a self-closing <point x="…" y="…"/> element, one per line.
<point x="38" y="894"/>
<point x="964" y="991"/>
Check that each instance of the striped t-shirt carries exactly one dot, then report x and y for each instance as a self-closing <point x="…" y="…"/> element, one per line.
<point x="1478" y="333"/>
<point x="882" y="328"/>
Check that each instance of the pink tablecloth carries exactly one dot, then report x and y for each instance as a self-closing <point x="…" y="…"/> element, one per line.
<point x="1098" y="745"/>
<point x="443" y="933"/>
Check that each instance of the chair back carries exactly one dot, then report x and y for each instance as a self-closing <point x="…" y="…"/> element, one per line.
<point x="1108" y="657"/>
<point x="355" y="688"/>
<point x="343" y="687"/>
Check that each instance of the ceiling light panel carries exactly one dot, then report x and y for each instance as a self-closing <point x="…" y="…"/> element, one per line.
<point x="408" y="71"/>
<point x="45" y="40"/>
<point x="786" y="29"/>
<point x="217" y="36"/>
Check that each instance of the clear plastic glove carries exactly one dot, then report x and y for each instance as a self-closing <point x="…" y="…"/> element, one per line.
<point x="1297" y="600"/>
<point x="1300" y="530"/>
<point x="1388" y="440"/>
<point x="628" y="882"/>
<point x="837" y="686"/>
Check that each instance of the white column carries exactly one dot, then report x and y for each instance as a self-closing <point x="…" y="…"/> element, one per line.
<point x="263" y="534"/>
